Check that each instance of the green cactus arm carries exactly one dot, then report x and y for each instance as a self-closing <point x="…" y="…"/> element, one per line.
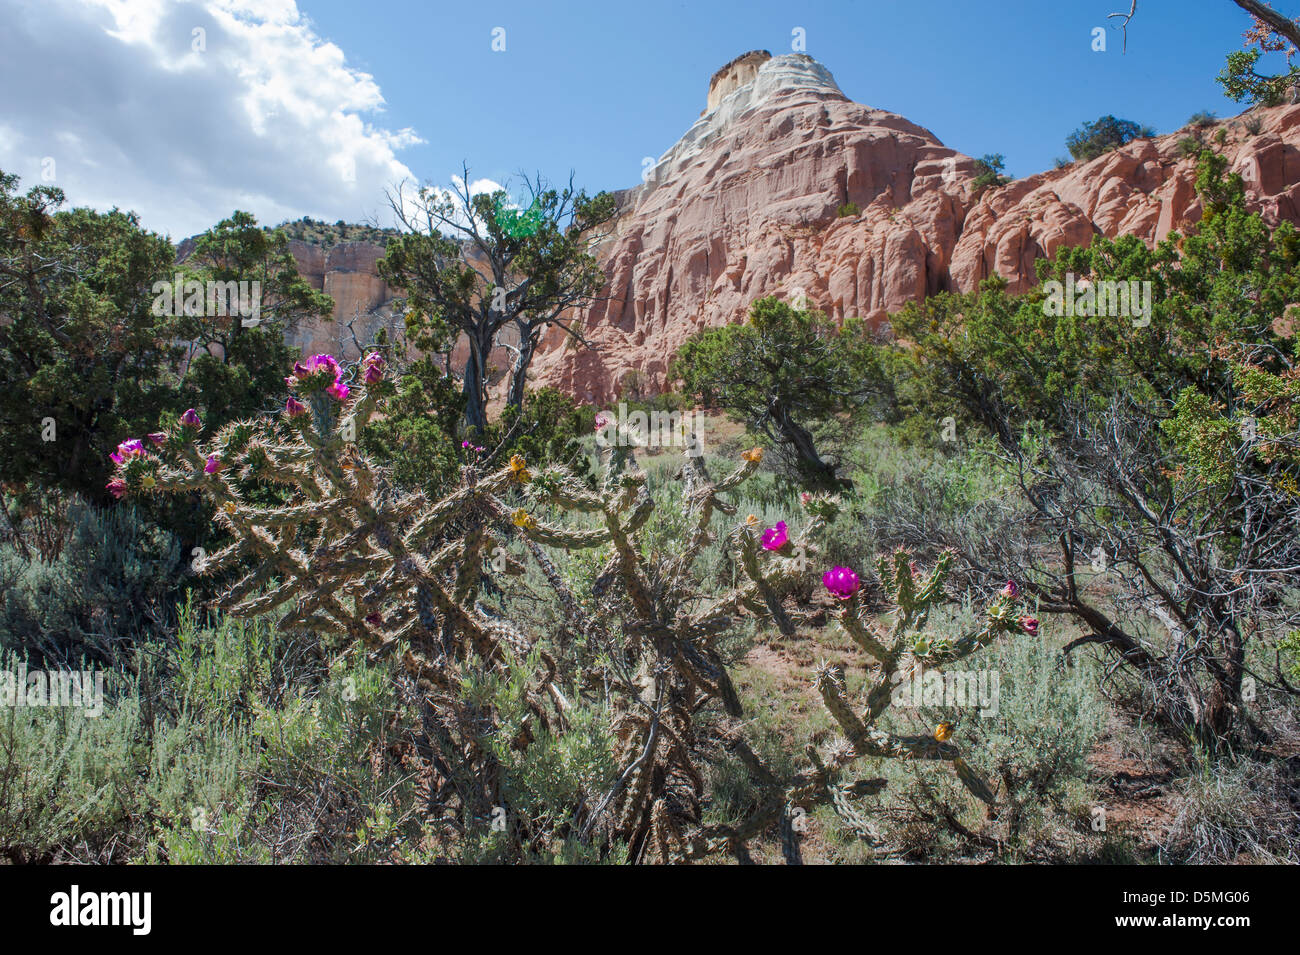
<point x="852" y="618"/>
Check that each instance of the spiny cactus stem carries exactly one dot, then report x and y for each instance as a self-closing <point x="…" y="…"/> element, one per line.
<point x="851" y="618"/>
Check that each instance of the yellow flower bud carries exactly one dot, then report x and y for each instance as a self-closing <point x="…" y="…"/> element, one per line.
<point x="753" y="455"/>
<point x="521" y="518"/>
<point x="519" y="469"/>
<point x="943" y="732"/>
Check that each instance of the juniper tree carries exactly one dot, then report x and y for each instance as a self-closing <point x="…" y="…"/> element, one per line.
<point x="472" y="266"/>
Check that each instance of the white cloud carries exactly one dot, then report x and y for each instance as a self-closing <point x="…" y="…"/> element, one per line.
<point x="185" y="110"/>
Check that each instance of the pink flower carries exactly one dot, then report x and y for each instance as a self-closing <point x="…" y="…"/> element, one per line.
<point x="804" y="498"/>
<point x="213" y="464"/>
<point x="130" y="448"/>
<point x="1010" y="590"/>
<point x="375" y="365"/>
<point x="315" y="365"/>
<point x="158" y="437"/>
<point x="602" y="420"/>
<point x="315" y="372"/>
<point x="1030" y="624"/>
<point x="841" y="581"/>
<point x="117" y="487"/>
<point x="465" y="444"/>
<point x="191" y="419"/>
<point x="293" y="408"/>
<point x="774" y="538"/>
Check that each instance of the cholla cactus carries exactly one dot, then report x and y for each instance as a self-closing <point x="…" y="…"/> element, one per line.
<point x="914" y="594"/>
<point x="353" y="561"/>
<point x="667" y="663"/>
<point x="901" y="646"/>
<point x="345" y="557"/>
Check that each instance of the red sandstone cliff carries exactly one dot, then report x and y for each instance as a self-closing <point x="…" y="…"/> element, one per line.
<point x="745" y="205"/>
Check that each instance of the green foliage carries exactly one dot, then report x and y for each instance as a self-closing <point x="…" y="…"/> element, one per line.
<point x="848" y="210"/>
<point x="1243" y="83"/>
<point x="1192" y="403"/>
<point x="543" y="781"/>
<point x="783" y="373"/>
<point x="114" y="586"/>
<point x="420" y="441"/>
<point x="988" y="172"/>
<point x="417" y="438"/>
<point x="234" y="366"/>
<point x="1102" y="135"/>
<point x="80" y="350"/>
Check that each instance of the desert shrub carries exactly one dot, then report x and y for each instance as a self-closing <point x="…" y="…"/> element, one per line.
<point x="545" y="774"/>
<point x="1032" y="743"/>
<point x="847" y="210"/>
<point x="104" y="788"/>
<point x="1201" y="118"/>
<point x="114" y="584"/>
<point x="1102" y="135"/>
<point x="989" y="172"/>
<point x="1229" y="806"/>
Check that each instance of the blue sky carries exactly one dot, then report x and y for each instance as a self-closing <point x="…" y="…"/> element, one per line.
<point x="594" y="87"/>
<point x="185" y="110"/>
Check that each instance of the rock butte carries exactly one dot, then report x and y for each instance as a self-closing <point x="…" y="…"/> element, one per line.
<point x="746" y="204"/>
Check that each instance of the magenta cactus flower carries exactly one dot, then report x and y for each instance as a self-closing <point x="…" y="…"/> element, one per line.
<point x="130" y="448"/>
<point x="158" y="437"/>
<point x="212" y="465"/>
<point x="319" y="371"/>
<point x="1030" y="625"/>
<point x="602" y="420"/>
<point x="293" y="408"/>
<point x="191" y="419"/>
<point x="1010" y="590"/>
<point x="117" y="487"/>
<point x="774" y="538"/>
<point x="315" y="365"/>
<point x="374" y="618"/>
<point x="374" y="365"/>
<point x="842" y="582"/>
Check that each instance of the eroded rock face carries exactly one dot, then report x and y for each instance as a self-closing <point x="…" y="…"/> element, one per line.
<point x="748" y="203"/>
<point x="348" y="273"/>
